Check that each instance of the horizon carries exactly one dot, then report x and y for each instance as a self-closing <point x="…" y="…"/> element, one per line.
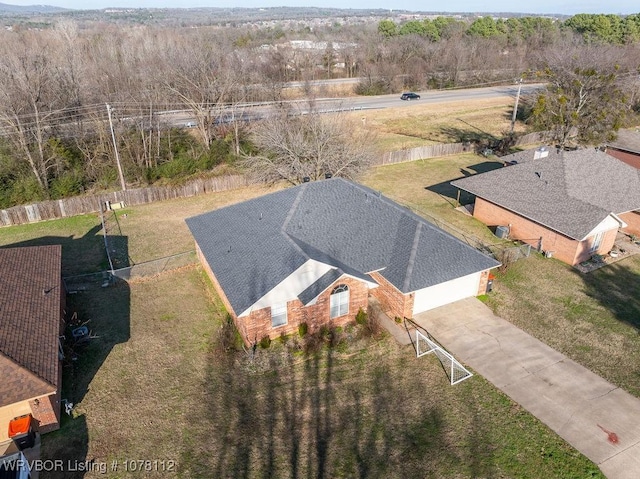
<point x="542" y="7"/>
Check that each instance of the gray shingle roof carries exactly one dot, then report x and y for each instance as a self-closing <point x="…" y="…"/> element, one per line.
<point x="319" y="286"/>
<point x="252" y="246"/>
<point x="627" y="140"/>
<point x="571" y="193"/>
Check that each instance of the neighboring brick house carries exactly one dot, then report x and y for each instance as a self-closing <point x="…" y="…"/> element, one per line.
<point x="32" y="301"/>
<point x="315" y="252"/>
<point x="568" y="203"/>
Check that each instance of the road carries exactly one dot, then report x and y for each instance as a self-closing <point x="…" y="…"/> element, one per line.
<point x="434" y="96"/>
<point x="261" y="110"/>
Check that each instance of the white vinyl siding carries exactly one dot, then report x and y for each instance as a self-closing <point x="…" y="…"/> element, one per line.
<point x="278" y="315"/>
<point x="339" y="301"/>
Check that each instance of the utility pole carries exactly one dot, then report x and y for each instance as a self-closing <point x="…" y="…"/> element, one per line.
<point x="115" y="147"/>
<point x="515" y="108"/>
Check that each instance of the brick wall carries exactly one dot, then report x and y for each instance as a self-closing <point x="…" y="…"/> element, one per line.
<point x="633" y="221"/>
<point x="564" y="248"/>
<point x="46" y="410"/>
<point x="257" y="324"/>
<point x="392" y="300"/>
<point x="583" y="251"/>
<point x="484" y="280"/>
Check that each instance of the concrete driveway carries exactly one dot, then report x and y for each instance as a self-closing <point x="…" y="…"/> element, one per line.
<point x="577" y="404"/>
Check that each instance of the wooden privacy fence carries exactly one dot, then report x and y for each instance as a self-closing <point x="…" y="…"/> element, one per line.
<point x="445" y="149"/>
<point x="48" y="210"/>
<point x="80" y="205"/>
<point x="422" y="152"/>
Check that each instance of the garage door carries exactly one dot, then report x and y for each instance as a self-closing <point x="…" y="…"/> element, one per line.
<point x="445" y="293"/>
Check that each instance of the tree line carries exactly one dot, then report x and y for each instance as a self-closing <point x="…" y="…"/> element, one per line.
<point x="56" y="139"/>
<point x="605" y="28"/>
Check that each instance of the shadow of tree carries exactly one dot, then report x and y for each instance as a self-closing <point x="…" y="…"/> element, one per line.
<point x="311" y="416"/>
<point x="616" y="287"/>
<point x="471" y="135"/>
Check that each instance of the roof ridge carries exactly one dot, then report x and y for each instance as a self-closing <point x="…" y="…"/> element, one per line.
<point x="412" y="257"/>
<point x="287" y="220"/>
<point x="27" y="370"/>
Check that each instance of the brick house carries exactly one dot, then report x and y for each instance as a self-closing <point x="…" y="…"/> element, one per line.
<point x="568" y="203"/>
<point x="32" y="302"/>
<point x="316" y="252"/>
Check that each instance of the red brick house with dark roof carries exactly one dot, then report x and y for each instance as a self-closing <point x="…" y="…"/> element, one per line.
<point x="314" y="253"/>
<point x="32" y="301"/>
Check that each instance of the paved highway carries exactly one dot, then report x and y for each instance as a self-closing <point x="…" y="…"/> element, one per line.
<point x="431" y="97"/>
<point x="260" y="110"/>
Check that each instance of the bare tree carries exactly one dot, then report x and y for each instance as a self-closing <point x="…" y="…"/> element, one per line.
<point x="32" y="97"/>
<point x="294" y="147"/>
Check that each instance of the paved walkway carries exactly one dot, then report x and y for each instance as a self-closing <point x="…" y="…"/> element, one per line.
<point x="574" y="402"/>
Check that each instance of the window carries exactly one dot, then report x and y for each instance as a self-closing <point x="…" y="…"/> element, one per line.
<point x="597" y="241"/>
<point x="339" y="301"/>
<point x="278" y="315"/>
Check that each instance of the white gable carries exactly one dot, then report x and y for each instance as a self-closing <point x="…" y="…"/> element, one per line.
<point x="611" y="222"/>
<point x="292" y="285"/>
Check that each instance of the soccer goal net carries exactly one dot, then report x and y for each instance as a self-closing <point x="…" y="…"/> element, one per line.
<point x="456" y="371"/>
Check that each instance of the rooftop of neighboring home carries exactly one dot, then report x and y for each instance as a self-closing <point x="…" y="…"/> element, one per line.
<point x="568" y="191"/>
<point x="30" y="308"/>
<point x="627" y="140"/>
<point x="253" y="246"/>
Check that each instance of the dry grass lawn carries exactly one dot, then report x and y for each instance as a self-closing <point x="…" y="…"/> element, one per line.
<point x="154" y="386"/>
<point x="426" y="124"/>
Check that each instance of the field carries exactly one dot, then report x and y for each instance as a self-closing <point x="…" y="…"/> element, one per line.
<point x="426" y="124"/>
<point x="156" y="386"/>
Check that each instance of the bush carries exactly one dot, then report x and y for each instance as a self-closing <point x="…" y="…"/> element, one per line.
<point x="303" y="329"/>
<point x="68" y="184"/>
<point x="265" y="342"/>
<point x="361" y="317"/>
<point x="227" y="337"/>
<point x="372" y="87"/>
<point x="371" y="327"/>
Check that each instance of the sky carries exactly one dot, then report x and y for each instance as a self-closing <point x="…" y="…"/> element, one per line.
<point x="567" y="7"/>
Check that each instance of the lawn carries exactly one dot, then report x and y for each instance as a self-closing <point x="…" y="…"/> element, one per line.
<point x="155" y="386"/>
<point x="426" y="124"/>
<point x="424" y="186"/>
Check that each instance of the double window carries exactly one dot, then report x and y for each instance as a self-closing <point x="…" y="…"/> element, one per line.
<point x="278" y="315"/>
<point x="339" y="301"/>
